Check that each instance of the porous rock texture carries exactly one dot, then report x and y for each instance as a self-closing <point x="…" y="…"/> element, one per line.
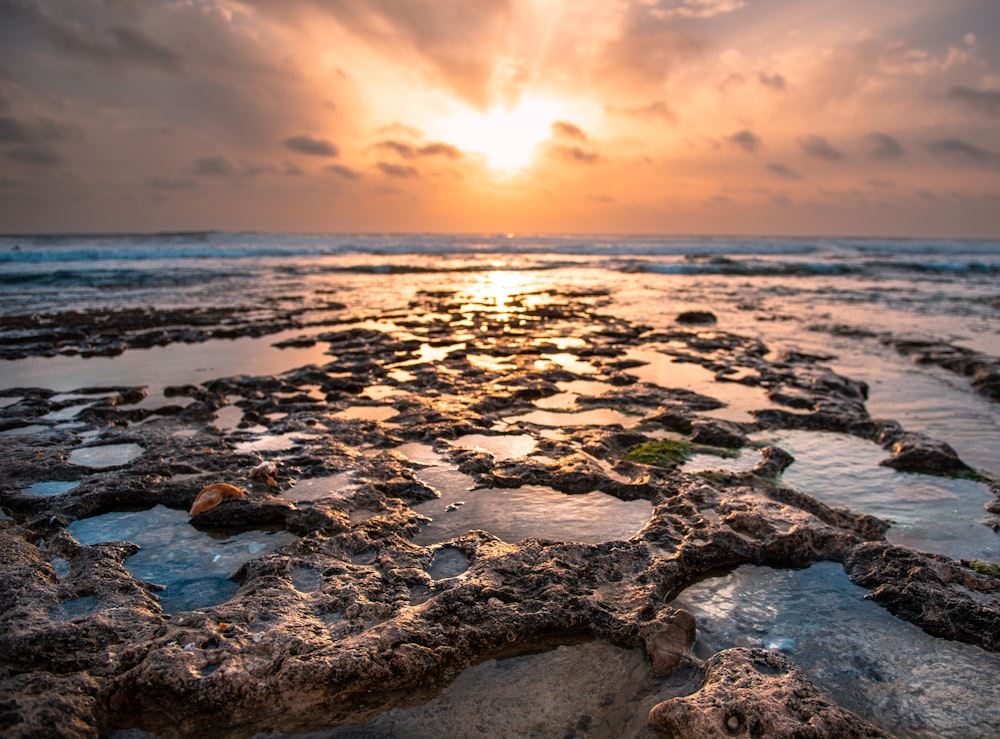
<point x="348" y="620"/>
<point x="757" y="693"/>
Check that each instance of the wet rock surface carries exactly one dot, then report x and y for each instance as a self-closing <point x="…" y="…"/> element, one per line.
<point x="755" y="692"/>
<point x="352" y="617"/>
<point x="110" y="332"/>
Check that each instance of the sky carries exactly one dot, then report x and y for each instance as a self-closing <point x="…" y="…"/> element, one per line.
<point x="781" y="117"/>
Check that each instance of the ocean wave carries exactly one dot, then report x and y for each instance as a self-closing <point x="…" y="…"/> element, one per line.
<point x="217" y="245"/>
<point x="756" y="268"/>
<point x="151" y="260"/>
<point x="96" y="278"/>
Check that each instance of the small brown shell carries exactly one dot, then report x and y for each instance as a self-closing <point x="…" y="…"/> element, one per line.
<point x="211" y="495"/>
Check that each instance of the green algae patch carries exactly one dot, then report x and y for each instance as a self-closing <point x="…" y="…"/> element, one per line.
<point x="661" y="453"/>
<point x="983" y="568"/>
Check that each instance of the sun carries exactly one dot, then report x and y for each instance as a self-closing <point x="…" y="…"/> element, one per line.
<point x="508" y="137"/>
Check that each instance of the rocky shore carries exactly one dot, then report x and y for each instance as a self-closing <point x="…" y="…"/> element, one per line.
<point x="351" y="618"/>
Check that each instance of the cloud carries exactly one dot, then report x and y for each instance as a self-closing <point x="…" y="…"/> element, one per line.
<point x="575" y="154"/>
<point x="401" y="148"/>
<point x="441" y="149"/>
<point x="456" y="41"/>
<point x="34" y="155"/>
<point x="885" y="147"/>
<point x="168" y="184"/>
<point x="116" y="47"/>
<point x="656" y="109"/>
<point x="646" y="51"/>
<point x="564" y="130"/>
<point x="14" y="130"/>
<point x="215" y="166"/>
<point x="33" y="141"/>
<point x="746" y="140"/>
<point x="312" y="146"/>
<point x="671" y="9"/>
<point x="400" y="129"/>
<point x="774" y="81"/>
<point x="962" y="152"/>
<point x="784" y="172"/>
<point x="986" y="102"/>
<point x="411" y="151"/>
<point x="345" y="172"/>
<point x="819" y="147"/>
<point x="400" y="171"/>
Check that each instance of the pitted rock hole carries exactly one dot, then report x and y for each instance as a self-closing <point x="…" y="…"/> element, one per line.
<point x="305" y="580"/>
<point x="61" y="567"/>
<point x="447" y="562"/>
<point x="74" y="608"/>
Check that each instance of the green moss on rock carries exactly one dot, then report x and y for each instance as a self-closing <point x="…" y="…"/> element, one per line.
<point x="661" y="453"/>
<point x="983" y="568"/>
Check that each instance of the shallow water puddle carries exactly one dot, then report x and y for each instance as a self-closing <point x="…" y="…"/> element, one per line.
<point x="108" y="455"/>
<point x="50" y="487"/>
<point x="420" y="453"/>
<point x="927" y="399"/>
<point x="591" y="689"/>
<point x="491" y="363"/>
<point x="315" y="488"/>
<point x="228" y="418"/>
<point x="24" y="430"/>
<point x="163" y="366"/>
<point x="430" y="354"/>
<point x="447" y="562"/>
<point x="929" y="513"/>
<point x="558" y="402"/>
<point x="745" y="461"/>
<point x="531" y="511"/>
<point x="315" y="392"/>
<point x="65" y="414"/>
<point x="194" y="565"/>
<point x="881" y="667"/>
<point x="664" y="371"/>
<point x="589" y="388"/>
<point x="368" y="413"/>
<point x="273" y="443"/>
<point x="501" y="447"/>
<point x="380" y="392"/>
<point x="569" y="362"/>
<point x="401" y="375"/>
<point x="591" y="417"/>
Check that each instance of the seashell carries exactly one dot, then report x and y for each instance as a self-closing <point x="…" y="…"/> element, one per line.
<point x="211" y="495"/>
<point x="265" y="472"/>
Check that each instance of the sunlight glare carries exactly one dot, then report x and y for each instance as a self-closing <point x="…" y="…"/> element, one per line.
<point x="507" y="137"/>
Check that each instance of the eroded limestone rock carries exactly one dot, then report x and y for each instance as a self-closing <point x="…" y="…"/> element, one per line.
<point x="348" y="620"/>
<point x="757" y="693"/>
